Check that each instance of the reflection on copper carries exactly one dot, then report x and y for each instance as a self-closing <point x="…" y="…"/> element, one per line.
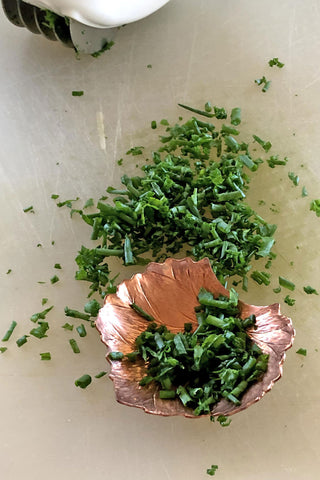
<point x="168" y="291"/>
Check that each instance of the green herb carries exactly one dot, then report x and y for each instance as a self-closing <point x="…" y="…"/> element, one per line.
<point x="116" y="355"/>
<point x="50" y="19"/>
<point x="89" y="203"/>
<point x="262" y="278"/>
<point x="283" y="282"/>
<point x="57" y="266"/>
<point x="208" y="107"/>
<point x="153" y="124"/>
<point x="44" y="301"/>
<point x="265" y="145"/>
<point x="92" y="307"/>
<point x="274" y="160"/>
<point x="315" y="207"/>
<point x="275" y="62"/>
<point x="8" y="271"/>
<point x="40" y="315"/>
<point x="22" y="340"/>
<point x="310" y="290"/>
<point x="28" y="209"/>
<point x="54" y="279"/>
<point x="101" y="374"/>
<point x="81" y="330"/>
<point x="40" y="331"/>
<point x="105" y="47"/>
<point x="76" y="314"/>
<point x="181" y="364"/>
<point x="302" y="351"/>
<point x="164" y="122"/>
<point x="9" y="332"/>
<point x="77" y="93"/>
<point x="67" y="326"/>
<point x="212" y="470"/>
<point x="149" y="65"/>
<point x="141" y="312"/>
<point x="120" y="161"/>
<point x="135" y="151"/>
<point x="277" y="290"/>
<point x="54" y="196"/>
<point x="294" y="178"/>
<point x="304" y="192"/>
<point x="45" y="356"/>
<point x="74" y="345"/>
<point x="264" y="82"/>
<point x="83" y="381"/>
<point x="236" y="116"/>
<point x="3" y="349"/>
<point x="289" y="301"/>
<point x="204" y="113"/>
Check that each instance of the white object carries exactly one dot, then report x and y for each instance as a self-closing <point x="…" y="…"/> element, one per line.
<point x="101" y="13"/>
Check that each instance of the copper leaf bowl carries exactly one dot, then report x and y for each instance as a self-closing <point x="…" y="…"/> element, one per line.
<point x="168" y="292"/>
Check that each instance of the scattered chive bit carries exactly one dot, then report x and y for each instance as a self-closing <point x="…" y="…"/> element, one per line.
<point x="89" y="203"/>
<point x="28" y="209"/>
<point x="54" y="196"/>
<point x="39" y="244"/>
<point x="141" y="312"/>
<point x="153" y="124"/>
<point x="315" y="206"/>
<point x="53" y="242"/>
<point x="164" y="122"/>
<point x="310" y="290"/>
<point x="44" y="301"/>
<point x="236" y="116"/>
<point x="100" y="375"/>
<point x="204" y="113"/>
<point x="212" y="470"/>
<point x="40" y="331"/>
<point x="274" y="160"/>
<point x="92" y="308"/>
<point x="81" y="330"/>
<point x="289" y="301"/>
<point x="68" y="326"/>
<point x="9" y="332"/>
<point x="57" y="266"/>
<point x="8" y="271"/>
<point x="275" y="62"/>
<point x="302" y="351"/>
<point x="262" y="278"/>
<point x="304" y="192"/>
<point x="105" y="47"/>
<point x="83" y="381"/>
<point x="22" y="340"/>
<point x="67" y="203"/>
<point x="135" y="151"/>
<point x="119" y="162"/>
<point x="3" y="349"/>
<point x="45" y="356"/>
<point x="294" y="178"/>
<point x="222" y="419"/>
<point x="208" y="107"/>
<point x="173" y="361"/>
<point x="283" y="282"/>
<point x="265" y="145"/>
<point x="77" y="93"/>
<point x="277" y="290"/>
<point x="116" y="355"/>
<point x="149" y="65"/>
<point x="264" y="82"/>
<point x="40" y="315"/>
<point x="54" y="279"/>
<point x="74" y="345"/>
<point x="69" y="312"/>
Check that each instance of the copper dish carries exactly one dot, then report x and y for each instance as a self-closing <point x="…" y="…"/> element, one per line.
<point x="168" y="292"/>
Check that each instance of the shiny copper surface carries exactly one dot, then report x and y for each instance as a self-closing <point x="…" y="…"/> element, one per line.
<point x="168" y="291"/>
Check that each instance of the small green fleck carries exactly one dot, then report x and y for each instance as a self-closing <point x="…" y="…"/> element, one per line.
<point x="54" y="196"/>
<point x="310" y="290"/>
<point x="83" y="381"/>
<point x="120" y="161"/>
<point x="28" y="209"/>
<point x="135" y="151"/>
<point x="54" y="279"/>
<point x="149" y="65"/>
<point x="67" y="326"/>
<point x="45" y="356"/>
<point x="101" y="374"/>
<point x="289" y="301"/>
<point x="275" y="62"/>
<point x="116" y="355"/>
<point x="153" y="124"/>
<point x="44" y="301"/>
<point x="77" y="93"/>
<point x="3" y="349"/>
<point x="8" y="271"/>
<point x="315" y="206"/>
<point x="304" y="192"/>
<point x="57" y="266"/>
<point x="302" y="351"/>
<point x="211" y="471"/>
<point x="164" y="122"/>
<point x="22" y="340"/>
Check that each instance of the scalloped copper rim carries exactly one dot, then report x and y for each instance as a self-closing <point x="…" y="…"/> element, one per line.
<point x="168" y="291"/>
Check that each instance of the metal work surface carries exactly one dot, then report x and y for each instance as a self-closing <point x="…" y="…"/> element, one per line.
<point x="53" y="142"/>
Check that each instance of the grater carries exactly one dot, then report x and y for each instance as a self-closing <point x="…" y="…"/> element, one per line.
<point x="86" y="26"/>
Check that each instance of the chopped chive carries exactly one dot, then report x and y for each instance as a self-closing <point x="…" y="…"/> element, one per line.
<point x="54" y="279"/>
<point x="135" y="151"/>
<point x="68" y="326"/>
<point x="277" y="290"/>
<point x="101" y="374"/>
<point x="208" y="107"/>
<point x="283" y="282"/>
<point x="262" y="278"/>
<point x="304" y="192"/>
<point x="44" y="301"/>
<point x="164" y="122"/>
<point x="294" y="178"/>
<point x="45" y="356"/>
<point x="310" y="290"/>
<point x="8" y="271"/>
<point x="77" y="93"/>
<point x="89" y="203"/>
<point x="40" y="331"/>
<point x="141" y="312"/>
<point x="116" y="355"/>
<point x="3" y="349"/>
<point x="22" y="340"/>
<point x="69" y="312"/>
<point x="57" y="266"/>
<point x="92" y="307"/>
<point x="196" y="110"/>
<point x="315" y="206"/>
<point x="9" y="332"/>
<point x="153" y="124"/>
<point x="167" y="394"/>
<point x="289" y="301"/>
<point x="265" y="145"/>
<point x="29" y="209"/>
<point x="275" y="62"/>
<point x="236" y="116"/>
<point x="81" y="330"/>
<point x="302" y="351"/>
<point x="83" y="381"/>
<point x="40" y="315"/>
<point x="74" y="345"/>
<point x="54" y="196"/>
<point x="212" y="470"/>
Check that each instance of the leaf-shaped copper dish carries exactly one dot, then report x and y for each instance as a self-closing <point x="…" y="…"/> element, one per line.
<point x="168" y="292"/>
